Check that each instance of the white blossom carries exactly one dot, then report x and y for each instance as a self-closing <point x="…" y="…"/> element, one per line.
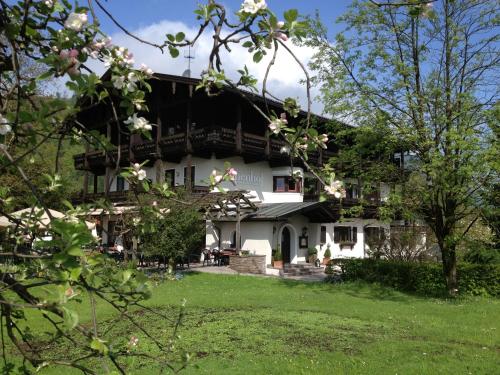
<point x="138" y="172"/>
<point x="132" y="77"/>
<point x="336" y="189"/>
<point x="217" y="176"/>
<point x="253" y="6"/>
<point x="146" y="70"/>
<point x="108" y="61"/>
<point x="4" y="126"/>
<point x="276" y="125"/>
<point x="76" y="21"/>
<point x="131" y="86"/>
<point x="138" y="123"/>
<point x="118" y="82"/>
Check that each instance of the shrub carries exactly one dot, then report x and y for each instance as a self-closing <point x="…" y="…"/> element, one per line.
<point x="482" y="255"/>
<point x="277" y="255"/>
<point x="421" y="278"/>
<point x="312" y="251"/>
<point x="328" y="253"/>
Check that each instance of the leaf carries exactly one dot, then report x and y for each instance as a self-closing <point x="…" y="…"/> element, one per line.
<point x="70" y="318"/>
<point x="291" y="15"/>
<point x="174" y="52"/>
<point x="258" y="56"/>
<point x="75" y="251"/>
<point x="170" y="37"/>
<point x="247" y="44"/>
<point x="180" y="36"/>
<point x="99" y="345"/>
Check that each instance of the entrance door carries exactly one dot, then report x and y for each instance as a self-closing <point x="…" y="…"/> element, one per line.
<point x="285" y="244"/>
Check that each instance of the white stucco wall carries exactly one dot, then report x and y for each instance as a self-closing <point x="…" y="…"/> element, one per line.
<point x="254" y="177"/>
<point x="256" y="237"/>
<point x="357" y="251"/>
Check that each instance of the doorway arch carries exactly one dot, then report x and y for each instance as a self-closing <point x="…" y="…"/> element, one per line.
<point x="287" y="240"/>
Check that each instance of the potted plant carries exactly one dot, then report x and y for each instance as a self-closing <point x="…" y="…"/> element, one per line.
<point x="311" y="254"/>
<point x="278" y="259"/>
<point x="327" y="256"/>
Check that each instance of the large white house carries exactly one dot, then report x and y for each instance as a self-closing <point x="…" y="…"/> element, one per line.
<point x="197" y="134"/>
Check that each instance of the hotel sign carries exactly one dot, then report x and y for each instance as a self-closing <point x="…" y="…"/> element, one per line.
<point x="251" y="178"/>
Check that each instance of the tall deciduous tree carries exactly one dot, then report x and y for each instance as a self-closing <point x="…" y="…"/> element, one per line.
<point x="430" y="71"/>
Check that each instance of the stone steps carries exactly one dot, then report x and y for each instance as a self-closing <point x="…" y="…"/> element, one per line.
<point x="302" y="269"/>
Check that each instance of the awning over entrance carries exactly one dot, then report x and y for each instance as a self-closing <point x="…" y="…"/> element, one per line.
<point x="319" y="212"/>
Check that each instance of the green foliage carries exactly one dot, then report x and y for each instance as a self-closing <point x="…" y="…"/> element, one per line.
<point x="277" y="255"/>
<point x="422" y="278"/>
<point x="482" y="255"/>
<point x="312" y="251"/>
<point x="328" y="253"/>
<point x="177" y="233"/>
<point x="388" y="73"/>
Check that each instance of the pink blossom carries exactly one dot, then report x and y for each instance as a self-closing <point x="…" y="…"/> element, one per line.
<point x="281" y="36"/>
<point x="232" y="173"/>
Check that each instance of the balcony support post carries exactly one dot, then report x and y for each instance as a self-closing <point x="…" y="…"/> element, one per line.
<point x="268" y="144"/>
<point x="189" y="149"/>
<point x="86" y="175"/>
<point x="158" y="161"/>
<point x="107" y="176"/>
<point x="238" y="129"/>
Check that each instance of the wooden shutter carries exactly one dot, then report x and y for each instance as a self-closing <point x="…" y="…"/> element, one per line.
<point x="336" y="235"/>
<point x="354" y="234"/>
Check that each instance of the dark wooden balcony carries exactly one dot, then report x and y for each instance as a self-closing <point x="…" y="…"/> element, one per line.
<point x="203" y="142"/>
<point x="145" y="151"/>
<point x="125" y="195"/>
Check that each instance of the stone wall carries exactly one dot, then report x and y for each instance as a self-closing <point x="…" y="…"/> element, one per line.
<point x="248" y="264"/>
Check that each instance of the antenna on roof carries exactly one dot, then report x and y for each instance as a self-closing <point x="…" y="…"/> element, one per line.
<point x="189" y="57"/>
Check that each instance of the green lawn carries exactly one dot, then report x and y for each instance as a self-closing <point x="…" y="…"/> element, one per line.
<point x="252" y="325"/>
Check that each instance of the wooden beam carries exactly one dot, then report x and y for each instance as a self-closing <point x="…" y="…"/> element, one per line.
<point x="238" y="230"/>
<point x="239" y="131"/>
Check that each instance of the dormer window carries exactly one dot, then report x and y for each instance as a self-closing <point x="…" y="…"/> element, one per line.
<point x="287" y="184"/>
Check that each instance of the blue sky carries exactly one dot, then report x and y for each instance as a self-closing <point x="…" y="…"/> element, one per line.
<point x="136" y="14"/>
<point x="152" y="19"/>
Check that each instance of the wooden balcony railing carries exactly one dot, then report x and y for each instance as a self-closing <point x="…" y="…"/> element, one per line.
<point x="124" y="195"/>
<point x="201" y="141"/>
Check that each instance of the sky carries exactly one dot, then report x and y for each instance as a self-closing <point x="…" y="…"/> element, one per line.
<point x="152" y="19"/>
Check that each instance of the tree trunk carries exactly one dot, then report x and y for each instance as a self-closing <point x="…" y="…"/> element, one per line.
<point x="449" y="267"/>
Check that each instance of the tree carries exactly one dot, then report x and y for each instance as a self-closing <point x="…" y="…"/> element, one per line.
<point x="59" y="38"/>
<point x="174" y="235"/>
<point x="429" y="72"/>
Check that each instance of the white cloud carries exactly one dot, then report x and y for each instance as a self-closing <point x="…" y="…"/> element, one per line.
<point x="284" y="79"/>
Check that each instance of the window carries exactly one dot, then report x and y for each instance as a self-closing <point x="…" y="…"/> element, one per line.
<point x="283" y="184"/>
<point x="352" y="191"/>
<point x="170" y="177"/>
<point x="100" y="184"/>
<point x="374" y="233"/>
<point x="345" y="234"/>
<point x="120" y="183"/>
<point x="322" y="238"/>
<point x="192" y="176"/>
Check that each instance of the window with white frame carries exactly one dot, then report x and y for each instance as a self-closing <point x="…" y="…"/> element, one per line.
<point x="344" y="234"/>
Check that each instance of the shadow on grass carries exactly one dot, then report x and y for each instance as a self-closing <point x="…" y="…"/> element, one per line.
<point x="354" y="289"/>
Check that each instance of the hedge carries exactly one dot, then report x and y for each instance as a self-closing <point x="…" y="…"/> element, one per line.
<point x="421" y="278"/>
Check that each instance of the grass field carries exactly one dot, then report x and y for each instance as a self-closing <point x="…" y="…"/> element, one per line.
<point x="252" y="325"/>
